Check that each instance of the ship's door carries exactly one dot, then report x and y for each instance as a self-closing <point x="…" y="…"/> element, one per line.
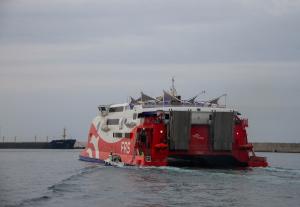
<point x="179" y="130"/>
<point x="144" y="140"/>
<point x="222" y="131"/>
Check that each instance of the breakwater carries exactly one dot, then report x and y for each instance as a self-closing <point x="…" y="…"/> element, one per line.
<point x="276" y="147"/>
<point x="36" y="145"/>
<point x="24" y="145"/>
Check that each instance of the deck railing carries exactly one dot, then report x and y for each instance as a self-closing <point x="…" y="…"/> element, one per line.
<point x="161" y="104"/>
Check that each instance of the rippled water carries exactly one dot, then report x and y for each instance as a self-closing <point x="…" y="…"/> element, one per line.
<point x="58" y="178"/>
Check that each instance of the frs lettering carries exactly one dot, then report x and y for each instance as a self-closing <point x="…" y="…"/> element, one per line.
<point x="125" y="147"/>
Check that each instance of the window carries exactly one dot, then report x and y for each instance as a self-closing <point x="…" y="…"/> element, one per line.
<point x="167" y="116"/>
<point x="117" y="134"/>
<point x="112" y="121"/>
<point x="121" y="135"/>
<point x="134" y="116"/>
<point x="127" y="135"/>
<point x="116" y="109"/>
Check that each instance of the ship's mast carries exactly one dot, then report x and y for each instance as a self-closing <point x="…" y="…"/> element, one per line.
<point x="173" y="90"/>
<point x="64" y="133"/>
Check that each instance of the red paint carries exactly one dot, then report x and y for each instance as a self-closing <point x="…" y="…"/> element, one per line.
<point x="154" y="151"/>
<point x="199" y="140"/>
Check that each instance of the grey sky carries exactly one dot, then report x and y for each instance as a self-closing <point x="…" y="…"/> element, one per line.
<point x="60" y="59"/>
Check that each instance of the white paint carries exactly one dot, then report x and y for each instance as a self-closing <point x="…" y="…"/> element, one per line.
<point x="95" y="142"/>
<point x="107" y="135"/>
<point x="90" y="153"/>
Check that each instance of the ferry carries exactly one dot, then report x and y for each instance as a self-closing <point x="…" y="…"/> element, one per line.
<point x="170" y="131"/>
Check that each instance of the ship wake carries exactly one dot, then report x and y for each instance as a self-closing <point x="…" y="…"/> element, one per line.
<point x="59" y="189"/>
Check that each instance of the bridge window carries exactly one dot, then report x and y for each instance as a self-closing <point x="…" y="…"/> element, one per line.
<point x="116" y="109"/>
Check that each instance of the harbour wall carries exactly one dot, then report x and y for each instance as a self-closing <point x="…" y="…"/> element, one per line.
<point x="24" y="145"/>
<point x="33" y="145"/>
<point x="276" y="147"/>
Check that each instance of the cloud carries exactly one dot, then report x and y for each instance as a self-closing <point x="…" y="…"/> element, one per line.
<point x="152" y="32"/>
<point x="60" y="59"/>
<point x="272" y="7"/>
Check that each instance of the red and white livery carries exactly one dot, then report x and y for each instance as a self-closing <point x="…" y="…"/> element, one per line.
<point x="168" y="131"/>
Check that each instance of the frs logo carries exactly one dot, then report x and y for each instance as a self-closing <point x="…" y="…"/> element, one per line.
<point x="125" y="147"/>
<point x="197" y="136"/>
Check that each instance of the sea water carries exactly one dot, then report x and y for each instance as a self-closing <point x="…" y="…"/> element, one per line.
<point x="58" y="178"/>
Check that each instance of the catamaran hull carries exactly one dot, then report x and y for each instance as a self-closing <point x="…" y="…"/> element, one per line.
<point x="199" y="151"/>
